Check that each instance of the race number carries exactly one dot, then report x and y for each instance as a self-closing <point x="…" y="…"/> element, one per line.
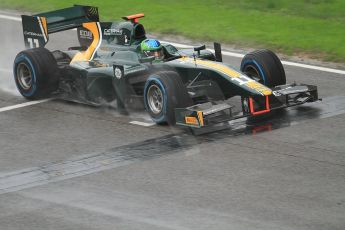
<point x="33" y="43"/>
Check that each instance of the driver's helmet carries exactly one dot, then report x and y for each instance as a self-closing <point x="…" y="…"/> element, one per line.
<point x="152" y="48"/>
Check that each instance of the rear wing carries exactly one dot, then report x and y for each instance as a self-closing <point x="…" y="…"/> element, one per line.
<point x="36" y="28"/>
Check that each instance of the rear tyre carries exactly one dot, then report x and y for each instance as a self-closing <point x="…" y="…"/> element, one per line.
<point x="265" y="67"/>
<point x="163" y="92"/>
<point x="35" y="73"/>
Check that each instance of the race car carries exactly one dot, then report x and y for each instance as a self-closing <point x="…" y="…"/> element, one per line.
<point x="188" y="87"/>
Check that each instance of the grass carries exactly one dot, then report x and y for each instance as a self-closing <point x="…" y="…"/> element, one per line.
<point x="315" y="28"/>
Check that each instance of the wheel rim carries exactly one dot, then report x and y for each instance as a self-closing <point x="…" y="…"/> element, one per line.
<point x="24" y="76"/>
<point x="253" y="73"/>
<point x="155" y="99"/>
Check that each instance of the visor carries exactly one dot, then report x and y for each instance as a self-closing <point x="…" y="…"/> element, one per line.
<point x="155" y="53"/>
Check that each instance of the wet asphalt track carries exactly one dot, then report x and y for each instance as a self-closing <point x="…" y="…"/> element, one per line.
<point x="70" y="166"/>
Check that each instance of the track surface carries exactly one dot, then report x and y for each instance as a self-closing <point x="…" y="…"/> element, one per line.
<point x="69" y="166"/>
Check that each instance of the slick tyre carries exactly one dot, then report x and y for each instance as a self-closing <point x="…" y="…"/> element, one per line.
<point x="35" y="73"/>
<point x="163" y="92"/>
<point x="265" y="67"/>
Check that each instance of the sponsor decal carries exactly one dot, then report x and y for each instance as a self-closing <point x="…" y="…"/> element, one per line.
<point x="242" y="80"/>
<point x="118" y="73"/>
<point x="276" y="93"/>
<point x="109" y="32"/>
<point x="134" y="69"/>
<point x="191" y="120"/>
<point x="28" y="33"/>
<point x="85" y="34"/>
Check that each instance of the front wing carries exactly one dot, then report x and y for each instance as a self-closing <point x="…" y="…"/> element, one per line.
<point x="211" y="113"/>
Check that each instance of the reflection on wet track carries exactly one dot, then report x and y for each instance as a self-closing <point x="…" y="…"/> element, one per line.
<point x="163" y="146"/>
<point x="328" y="107"/>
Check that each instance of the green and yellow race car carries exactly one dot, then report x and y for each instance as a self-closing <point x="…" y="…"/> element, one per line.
<point x="116" y="61"/>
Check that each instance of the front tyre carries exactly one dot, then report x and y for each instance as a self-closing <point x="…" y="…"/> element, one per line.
<point x="163" y="92"/>
<point x="35" y="73"/>
<point x="265" y="67"/>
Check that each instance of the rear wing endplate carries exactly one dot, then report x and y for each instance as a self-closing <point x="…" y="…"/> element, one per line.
<point x="36" y="28"/>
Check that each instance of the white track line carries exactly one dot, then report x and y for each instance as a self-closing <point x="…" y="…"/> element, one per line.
<point x="12" y="18"/>
<point x="288" y="63"/>
<point x="230" y="54"/>
<point x="5" y="70"/>
<point x="141" y="123"/>
<point x="324" y="69"/>
<point x="12" y="107"/>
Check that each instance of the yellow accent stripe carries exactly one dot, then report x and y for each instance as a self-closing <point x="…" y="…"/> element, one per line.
<point x="259" y="87"/>
<point x="217" y="66"/>
<point x="88" y="54"/>
<point x="201" y="118"/>
<point x="44" y="24"/>
<point x="229" y="72"/>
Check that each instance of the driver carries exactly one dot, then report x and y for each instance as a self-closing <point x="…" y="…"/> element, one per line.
<point x="152" y="48"/>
